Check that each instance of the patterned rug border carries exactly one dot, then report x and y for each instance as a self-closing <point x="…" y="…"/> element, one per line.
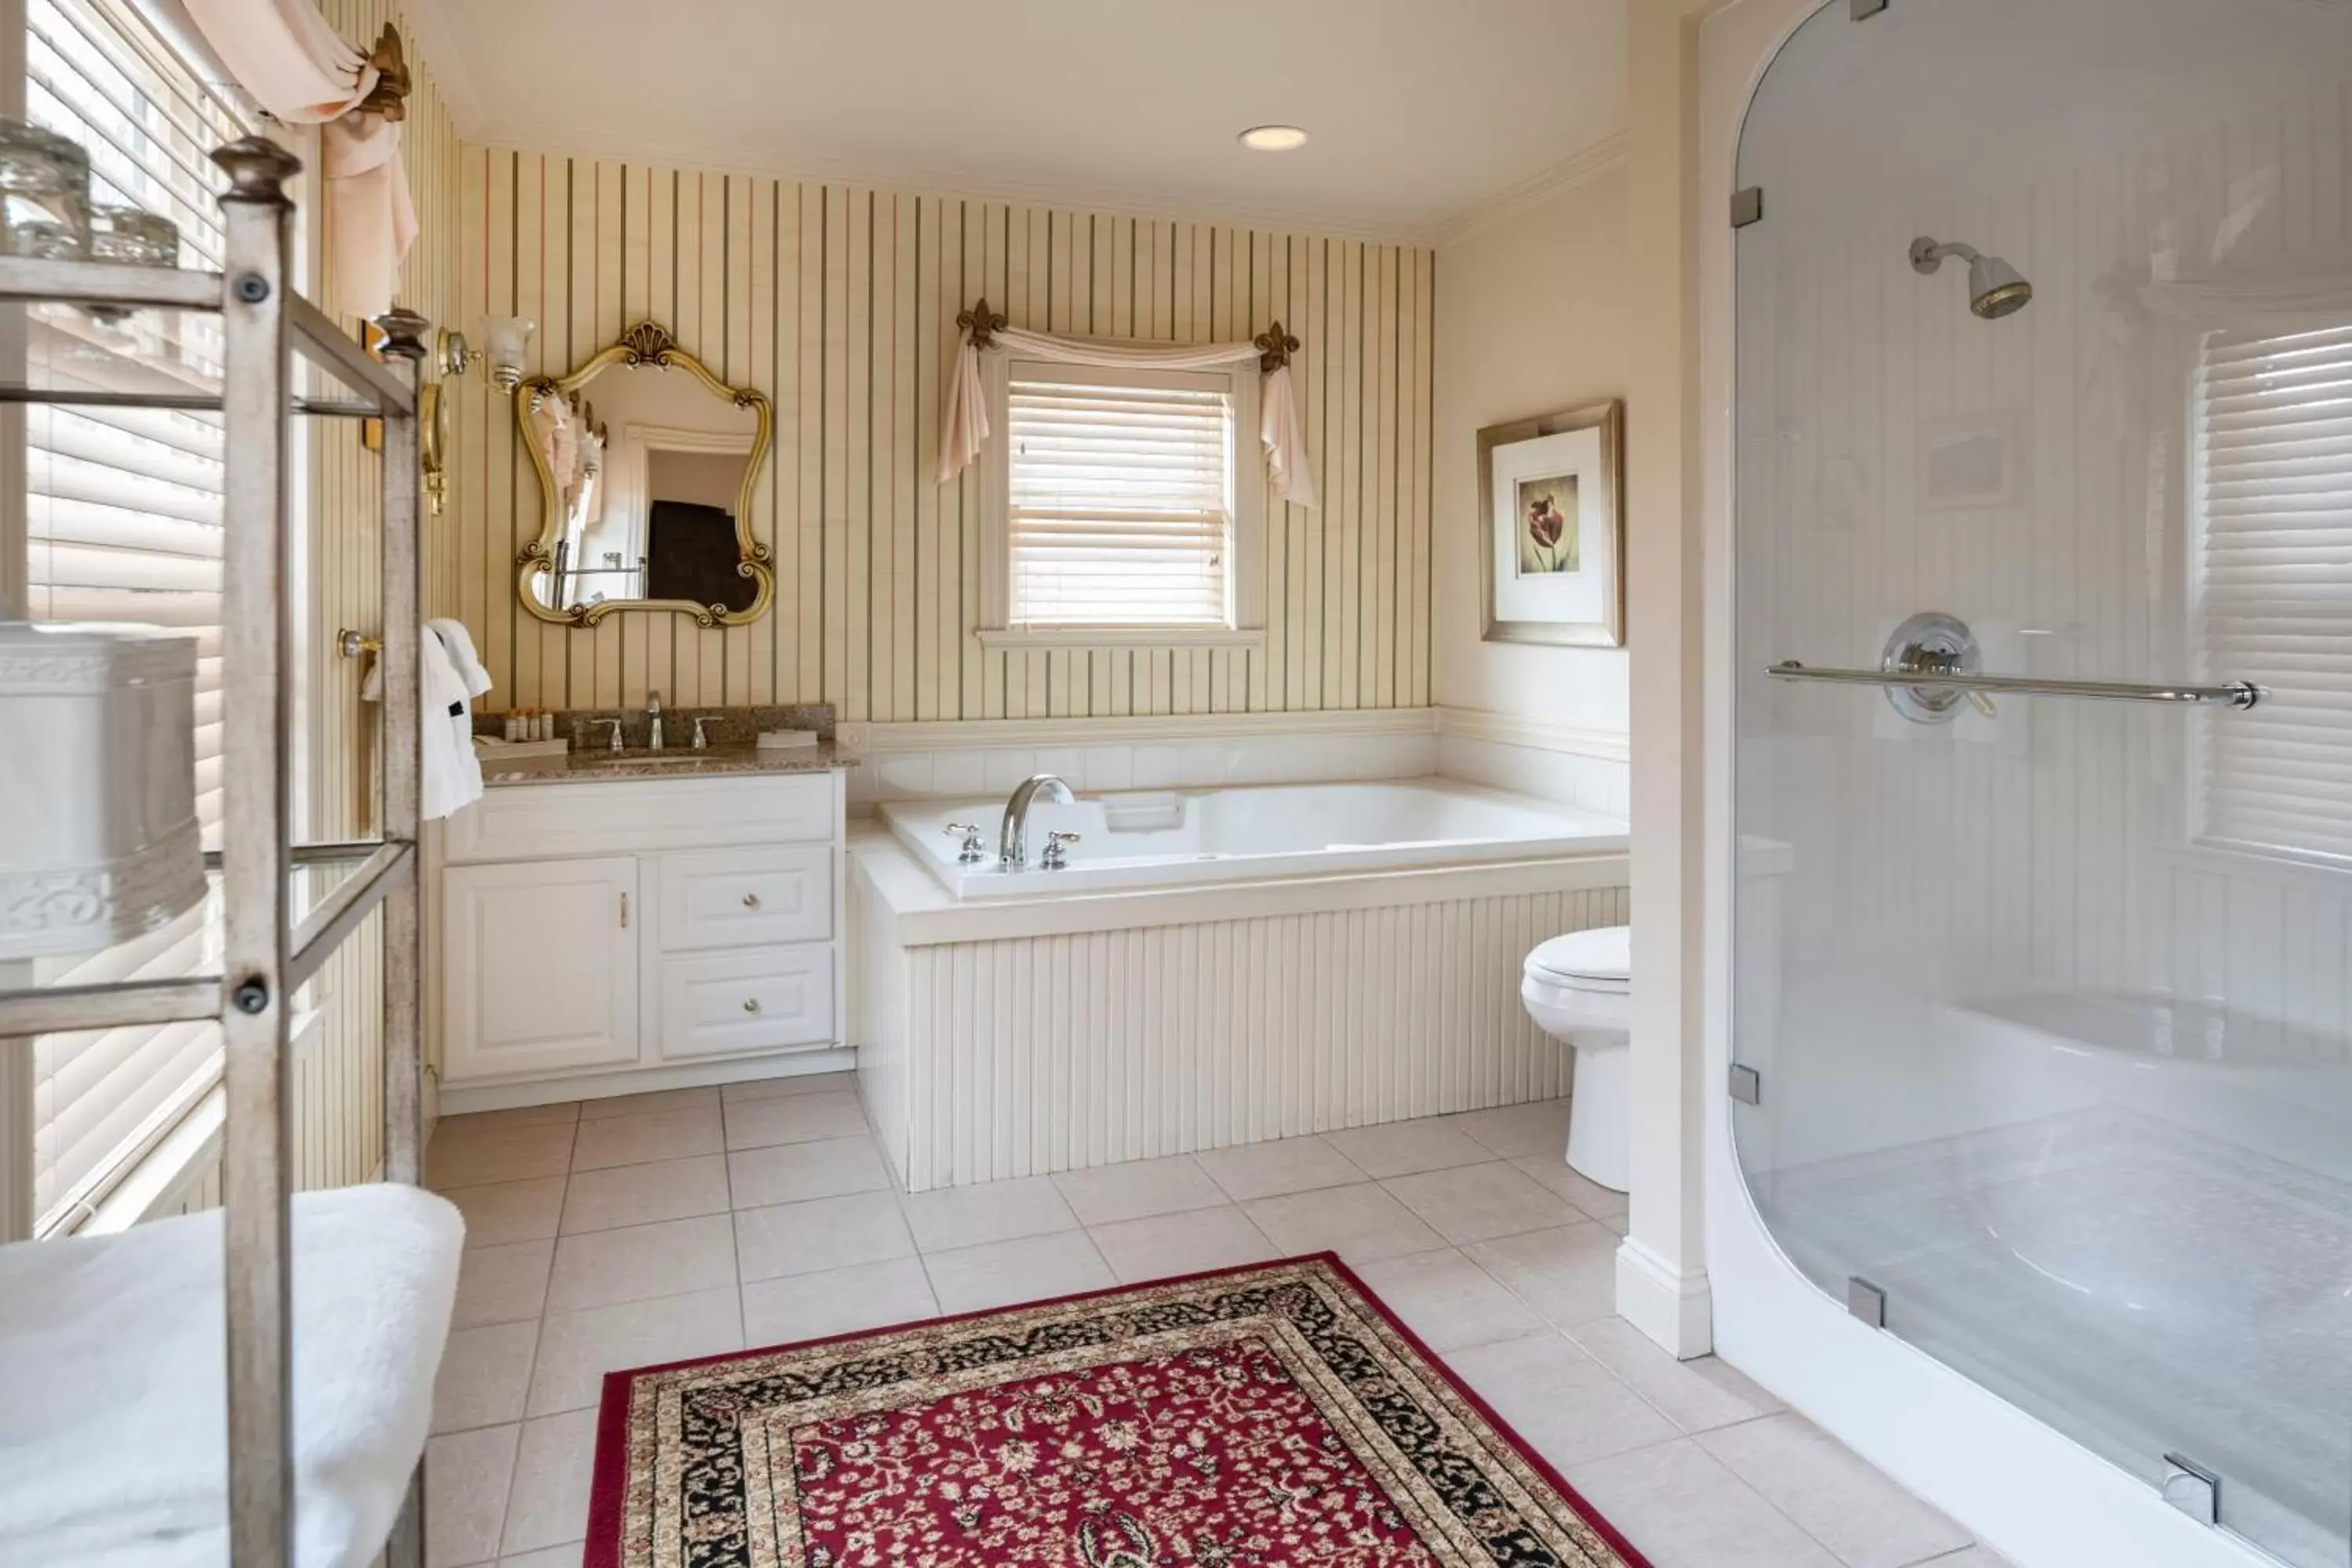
<point x="608" y="1490"/>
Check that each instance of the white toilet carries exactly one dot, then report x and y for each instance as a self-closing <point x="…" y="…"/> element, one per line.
<point x="1576" y="987"/>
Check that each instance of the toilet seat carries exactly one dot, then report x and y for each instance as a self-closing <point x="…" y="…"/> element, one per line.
<point x="1598" y="961"/>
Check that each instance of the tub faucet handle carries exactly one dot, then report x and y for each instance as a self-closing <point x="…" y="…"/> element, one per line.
<point x="1056" y="856"/>
<point x="972" y="854"/>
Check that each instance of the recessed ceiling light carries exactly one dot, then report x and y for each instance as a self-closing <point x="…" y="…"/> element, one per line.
<point x="1273" y="138"/>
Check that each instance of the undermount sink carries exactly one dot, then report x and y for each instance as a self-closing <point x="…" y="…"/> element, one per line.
<point x="636" y="757"/>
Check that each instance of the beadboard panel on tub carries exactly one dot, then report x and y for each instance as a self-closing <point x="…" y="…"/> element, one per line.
<point x="839" y="302"/>
<point x="995" y="1059"/>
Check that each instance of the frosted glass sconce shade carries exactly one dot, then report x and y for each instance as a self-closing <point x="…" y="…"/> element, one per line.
<point x="509" y="341"/>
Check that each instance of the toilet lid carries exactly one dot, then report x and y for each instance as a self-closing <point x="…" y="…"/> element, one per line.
<point x="1600" y="960"/>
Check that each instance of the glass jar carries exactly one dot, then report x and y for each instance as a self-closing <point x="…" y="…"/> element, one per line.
<point x="44" y="193"/>
<point x="133" y="234"/>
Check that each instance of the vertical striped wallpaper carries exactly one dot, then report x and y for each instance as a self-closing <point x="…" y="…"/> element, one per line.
<point x="840" y="303"/>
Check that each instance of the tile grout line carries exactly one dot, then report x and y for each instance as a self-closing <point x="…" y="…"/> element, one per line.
<point x="1553" y="1328"/>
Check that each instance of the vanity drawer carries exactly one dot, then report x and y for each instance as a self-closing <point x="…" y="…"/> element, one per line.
<point x="727" y="1003"/>
<point x="745" y="898"/>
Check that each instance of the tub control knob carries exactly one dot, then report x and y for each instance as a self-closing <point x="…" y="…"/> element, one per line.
<point x="971" y="854"/>
<point x="1056" y="856"/>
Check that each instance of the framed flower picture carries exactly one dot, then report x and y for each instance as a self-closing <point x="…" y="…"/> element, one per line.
<point x="1554" y="528"/>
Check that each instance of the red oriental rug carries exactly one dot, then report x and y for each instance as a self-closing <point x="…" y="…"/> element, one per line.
<point x="1275" y="1414"/>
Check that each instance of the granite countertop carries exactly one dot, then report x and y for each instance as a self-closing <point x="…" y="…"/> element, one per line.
<point x="585" y="765"/>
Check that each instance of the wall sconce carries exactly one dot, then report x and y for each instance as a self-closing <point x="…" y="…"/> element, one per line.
<point x="509" y="339"/>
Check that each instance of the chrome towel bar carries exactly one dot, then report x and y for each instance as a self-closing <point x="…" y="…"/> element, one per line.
<point x="2232" y="694"/>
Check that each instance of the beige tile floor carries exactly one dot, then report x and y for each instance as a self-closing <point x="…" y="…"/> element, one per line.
<point x="624" y="1232"/>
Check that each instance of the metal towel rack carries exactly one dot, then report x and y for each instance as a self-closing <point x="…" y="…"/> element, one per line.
<point x="2231" y="694"/>
<point x="1929" y="665"/>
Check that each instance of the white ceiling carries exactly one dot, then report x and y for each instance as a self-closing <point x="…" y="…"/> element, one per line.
<point x="1421" y="111"/>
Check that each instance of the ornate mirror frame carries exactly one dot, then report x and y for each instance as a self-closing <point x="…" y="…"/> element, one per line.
<point x="646" y="345"/>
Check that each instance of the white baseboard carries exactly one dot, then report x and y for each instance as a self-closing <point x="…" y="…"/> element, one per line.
<point x="1671" y="1306"/>
<point x="457" y="1099"/>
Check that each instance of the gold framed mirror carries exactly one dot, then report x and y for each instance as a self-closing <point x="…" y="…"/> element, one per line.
<point x="646" y="488"/>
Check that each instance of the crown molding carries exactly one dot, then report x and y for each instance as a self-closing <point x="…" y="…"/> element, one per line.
<point x="1574" y="170"/>
<point x="431" y="41"/>
<point x="909" y="180"/>
<point x="1536" y="734"/>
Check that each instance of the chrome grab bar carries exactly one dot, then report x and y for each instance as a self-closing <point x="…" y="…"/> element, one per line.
<point x="2233" y="694"/>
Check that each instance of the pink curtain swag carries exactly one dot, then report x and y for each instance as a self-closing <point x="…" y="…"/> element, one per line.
<point x="302" y="72"/>
<point x="963" y="423"/>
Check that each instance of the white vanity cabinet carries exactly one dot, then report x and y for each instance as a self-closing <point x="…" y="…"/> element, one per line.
<point x="613" y="936"/>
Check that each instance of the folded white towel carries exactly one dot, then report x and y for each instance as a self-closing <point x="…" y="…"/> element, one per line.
<point x="460" y="643"/>
<point x="451" y="776"/>
<point x="111" y="1354"/>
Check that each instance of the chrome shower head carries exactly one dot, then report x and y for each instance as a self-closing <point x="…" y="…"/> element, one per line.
<point x="1995" y="288"/>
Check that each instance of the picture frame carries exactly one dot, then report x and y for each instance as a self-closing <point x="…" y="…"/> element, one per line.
<point x="1551" y="510"/>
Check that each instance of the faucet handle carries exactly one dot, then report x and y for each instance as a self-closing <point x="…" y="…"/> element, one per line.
<point x="615" y="724"/>
<point x="701" y="741"/>
<point x="971" y="854"/>
<point x="1057" y="856"/>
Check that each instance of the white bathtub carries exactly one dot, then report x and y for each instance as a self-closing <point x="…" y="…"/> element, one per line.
<point x="1171" y="837"/>
<point x="1216" y="967"/>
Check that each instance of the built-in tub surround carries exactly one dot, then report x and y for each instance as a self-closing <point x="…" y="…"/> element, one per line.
<point x="1175" y="838"/>
<point x="1062" y="1027"/>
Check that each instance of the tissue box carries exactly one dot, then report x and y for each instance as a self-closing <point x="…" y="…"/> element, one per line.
<point x="99" y="837"/>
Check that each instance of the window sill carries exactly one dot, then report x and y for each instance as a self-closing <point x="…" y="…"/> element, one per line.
<point x="1121" y="636"/>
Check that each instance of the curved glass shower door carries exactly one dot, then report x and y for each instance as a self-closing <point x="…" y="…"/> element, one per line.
<point x="2045" y="400"/>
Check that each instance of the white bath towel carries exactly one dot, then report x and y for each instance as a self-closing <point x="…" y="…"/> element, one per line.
<point x="450" y="775"/>
<point x="460" y="643"/>
<point x="111" y="1354"/>
<point x="449" y="676"/>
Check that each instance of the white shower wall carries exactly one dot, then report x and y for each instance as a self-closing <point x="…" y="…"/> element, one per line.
<point x="2051" y="846"/>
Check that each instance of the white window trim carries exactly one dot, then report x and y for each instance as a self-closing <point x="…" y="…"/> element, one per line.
<point x="1248" y="604"/>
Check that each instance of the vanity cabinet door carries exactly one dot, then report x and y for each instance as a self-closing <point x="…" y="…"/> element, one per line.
<point x="541" y="967"/>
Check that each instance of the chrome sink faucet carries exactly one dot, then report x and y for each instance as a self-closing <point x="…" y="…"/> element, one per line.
<point x="653" y="715"/>
<point x="1012" y="837"/>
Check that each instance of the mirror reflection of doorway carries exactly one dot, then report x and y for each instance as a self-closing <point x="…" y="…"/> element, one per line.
<point x="691" y="494"/>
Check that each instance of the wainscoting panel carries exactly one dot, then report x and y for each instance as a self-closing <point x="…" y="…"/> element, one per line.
<point x="1019" y="1058"/>
<point x="840" y="302"/>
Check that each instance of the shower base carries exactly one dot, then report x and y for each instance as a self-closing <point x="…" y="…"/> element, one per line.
<point x="2142" y="1286"/>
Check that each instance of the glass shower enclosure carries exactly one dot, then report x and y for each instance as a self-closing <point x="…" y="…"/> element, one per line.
<point x="2043" y="715"/>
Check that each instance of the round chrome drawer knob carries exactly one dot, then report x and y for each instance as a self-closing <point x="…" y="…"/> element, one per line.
<point x="751" y="1004"/>
<point x="751" y="900"/>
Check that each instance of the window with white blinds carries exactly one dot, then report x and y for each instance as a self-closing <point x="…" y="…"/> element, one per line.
<point x="123" y="524"/>
<point x="1120" y="507"/>
<point x="2273" y="588"/>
